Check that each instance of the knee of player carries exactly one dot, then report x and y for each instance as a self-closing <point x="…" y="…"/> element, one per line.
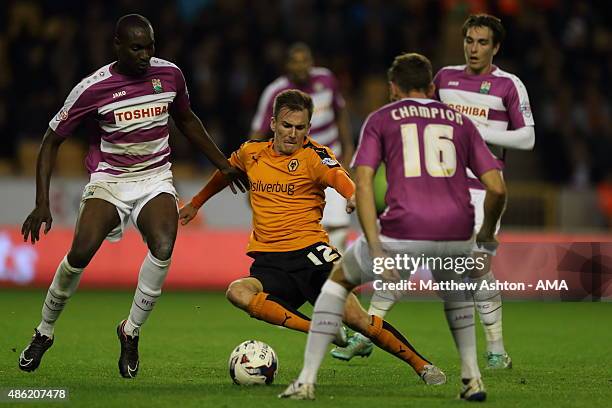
<point x="337" y="275"/>
<point x="80" y="256"/>
<point x="238" y="294"/>
<point x="162" y="248"/>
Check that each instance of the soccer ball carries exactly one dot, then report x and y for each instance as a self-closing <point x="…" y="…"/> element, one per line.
<point x="253" y="362"/>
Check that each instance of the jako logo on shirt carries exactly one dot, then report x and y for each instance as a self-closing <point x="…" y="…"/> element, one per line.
<point x="140" y="113"/>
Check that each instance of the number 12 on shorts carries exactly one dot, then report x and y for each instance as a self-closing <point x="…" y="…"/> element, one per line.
<point x="325" y="252"/>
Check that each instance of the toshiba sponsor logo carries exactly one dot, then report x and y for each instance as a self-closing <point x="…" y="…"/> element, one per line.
<point x="474" y="111"/>
<point x="140" y="113"/>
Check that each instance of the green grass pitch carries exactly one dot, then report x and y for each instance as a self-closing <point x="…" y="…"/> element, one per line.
<point x="562" y="355"/>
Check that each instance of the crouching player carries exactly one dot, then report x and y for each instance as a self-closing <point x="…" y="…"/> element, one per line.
<point x="292" y="256"/>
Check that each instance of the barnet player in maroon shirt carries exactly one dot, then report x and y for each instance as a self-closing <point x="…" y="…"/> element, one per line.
<point x="130" y="102"/>
<point x="497" y="103"/>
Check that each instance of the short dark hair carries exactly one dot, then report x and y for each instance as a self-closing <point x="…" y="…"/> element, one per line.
<point x="294" y="100"/>
<point x="411" y="71"/>
<point x="298" y="47"/>
<point x="486" y="20"/>
<point x="130" y="21"/>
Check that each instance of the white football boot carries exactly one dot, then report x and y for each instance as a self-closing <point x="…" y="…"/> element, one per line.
<point x="299" y="391"/>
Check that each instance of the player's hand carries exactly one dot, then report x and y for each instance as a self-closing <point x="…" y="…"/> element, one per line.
<point x="486" y="242"/>
<point x="187" y="213"/>
<point x="351" y="204"/>
<point x="388" y="274"/>
<point x="237" y="177"/>
<point x="31" y="225"/>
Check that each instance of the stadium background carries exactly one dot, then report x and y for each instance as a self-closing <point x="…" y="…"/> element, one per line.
<point x="230" y="50"/>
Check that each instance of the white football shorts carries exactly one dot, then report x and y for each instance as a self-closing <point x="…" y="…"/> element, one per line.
<point x="129" y="197"/>
<point x="358" y="265"/>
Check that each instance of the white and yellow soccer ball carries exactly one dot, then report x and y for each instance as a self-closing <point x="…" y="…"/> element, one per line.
<point x="253" y="362"/>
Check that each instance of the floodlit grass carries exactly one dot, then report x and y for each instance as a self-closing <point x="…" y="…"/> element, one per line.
<point x="561" y="353"/>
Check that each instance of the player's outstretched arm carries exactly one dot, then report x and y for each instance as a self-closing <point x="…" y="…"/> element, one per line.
<point x="44" y="166"/>
<point x="494" y="204"/>
<point x="194" y="130"/>
<point x="520" y="139"/>
<point x="216" y="183"/>
<point x="339" y="180"/>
